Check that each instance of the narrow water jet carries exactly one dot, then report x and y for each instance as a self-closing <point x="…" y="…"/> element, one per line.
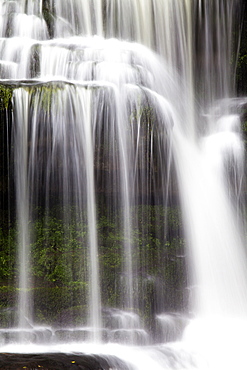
<point x="21" y="171"/>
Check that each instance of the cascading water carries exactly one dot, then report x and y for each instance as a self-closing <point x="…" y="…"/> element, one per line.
<point x="112" y="113"/>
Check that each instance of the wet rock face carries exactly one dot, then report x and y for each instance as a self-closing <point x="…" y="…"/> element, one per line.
<point x="59" y="361"/>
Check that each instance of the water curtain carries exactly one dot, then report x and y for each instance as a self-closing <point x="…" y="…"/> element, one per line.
<point x="125" y="167"/>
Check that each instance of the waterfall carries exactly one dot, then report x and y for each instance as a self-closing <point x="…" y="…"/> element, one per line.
<point x="125" y="164"/>
<point x="23" y="206"/>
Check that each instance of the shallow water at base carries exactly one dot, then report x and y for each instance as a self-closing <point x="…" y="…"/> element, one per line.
<point x="207" y="344"/>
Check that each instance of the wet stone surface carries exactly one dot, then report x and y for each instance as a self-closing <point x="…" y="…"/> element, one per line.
<point x="59" y="361"/>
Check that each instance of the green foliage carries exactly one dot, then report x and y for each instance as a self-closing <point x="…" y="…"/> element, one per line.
<point x="56" y="305"/>
<point x="7" y="254"/>
<point x="241" y="73"/>
<point x="60" y="261"/>
<point x="58" y="250"/>
<point x="244" y="126"/>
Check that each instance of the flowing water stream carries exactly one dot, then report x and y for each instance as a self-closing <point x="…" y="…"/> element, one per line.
<point x="115" y="106"/>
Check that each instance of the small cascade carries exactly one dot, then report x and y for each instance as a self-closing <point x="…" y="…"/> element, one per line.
<point x="218" y="152"/>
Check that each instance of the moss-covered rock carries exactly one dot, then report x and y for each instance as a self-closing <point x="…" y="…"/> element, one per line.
<point x="6" y="93"/>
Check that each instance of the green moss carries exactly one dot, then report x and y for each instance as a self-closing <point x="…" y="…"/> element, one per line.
<point x="5" y="96"/>
<point x="48" y="94"/>
<point x="144" y="114"/>
<point x="244" y="127"/>
<point x="44" y="96"/>
<point x="59" y="271"/>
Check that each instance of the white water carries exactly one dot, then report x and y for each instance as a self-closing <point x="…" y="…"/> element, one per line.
<point x="23" y="209"/>
<point x="105" y="74"/>
<point x="218" y="251"/>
